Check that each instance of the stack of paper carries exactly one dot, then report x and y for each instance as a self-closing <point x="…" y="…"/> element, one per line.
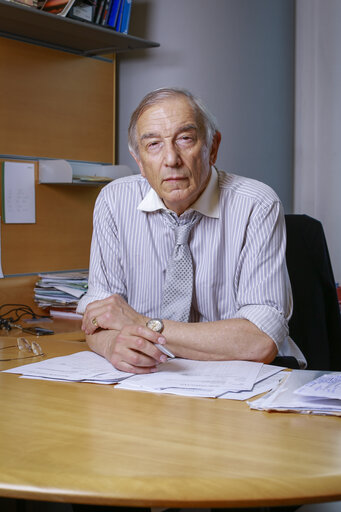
<point x="241" y="379"/>
<point x="203" y="378"/>
<point x="60" y="290"/>
<point x="79" y="367"/>
<point x="305" y="391"/>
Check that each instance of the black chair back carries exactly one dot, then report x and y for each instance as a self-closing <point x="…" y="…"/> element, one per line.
<point x="315" y="325"/>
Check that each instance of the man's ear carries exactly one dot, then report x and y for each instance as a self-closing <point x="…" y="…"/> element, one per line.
<point x="139" y="163"/>
<point x="215" y="147"/>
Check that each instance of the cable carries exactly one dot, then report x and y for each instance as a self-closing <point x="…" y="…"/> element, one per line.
<point x="18" y="311"/>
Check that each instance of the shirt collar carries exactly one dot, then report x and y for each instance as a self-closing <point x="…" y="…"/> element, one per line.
<point x="207" y="203"/>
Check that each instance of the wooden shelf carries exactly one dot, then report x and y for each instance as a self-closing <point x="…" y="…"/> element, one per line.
<point x="66" y="34"/>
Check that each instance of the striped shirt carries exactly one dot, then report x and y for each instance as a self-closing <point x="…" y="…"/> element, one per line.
<point x="238" y="251"/>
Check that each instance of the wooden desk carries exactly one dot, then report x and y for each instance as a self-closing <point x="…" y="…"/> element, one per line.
<point x="88" y="443"/>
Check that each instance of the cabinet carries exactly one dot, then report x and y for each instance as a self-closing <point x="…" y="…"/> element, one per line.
<point x="56" y="104"/>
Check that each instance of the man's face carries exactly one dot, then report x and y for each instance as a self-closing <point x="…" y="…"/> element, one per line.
<point x="173" y="155"/>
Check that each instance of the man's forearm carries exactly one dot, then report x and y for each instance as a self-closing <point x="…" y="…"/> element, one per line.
<point x="221" y="340"/>
<point x="102" y="342"/>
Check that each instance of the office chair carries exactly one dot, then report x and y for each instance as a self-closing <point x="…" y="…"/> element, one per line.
<point x="315" y="325"/>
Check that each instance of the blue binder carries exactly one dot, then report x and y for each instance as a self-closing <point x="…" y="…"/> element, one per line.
<point x="113" y="14"/>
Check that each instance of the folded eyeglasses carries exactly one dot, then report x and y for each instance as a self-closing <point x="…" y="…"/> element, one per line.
<point x="24" y="346"/>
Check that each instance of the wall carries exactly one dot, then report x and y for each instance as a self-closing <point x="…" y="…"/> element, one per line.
<point x="318" y="118"/>
<point x="238" y="56"/>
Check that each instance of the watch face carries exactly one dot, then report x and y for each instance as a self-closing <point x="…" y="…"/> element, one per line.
<point x="155" y="325"/>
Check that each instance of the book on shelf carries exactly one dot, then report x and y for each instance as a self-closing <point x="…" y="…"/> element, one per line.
<point x="60" y="7"/>
<point x="125" y="16"/>
<point x="99" y="11"/>
<point x="83" y="10"/>
<point x="105" y="12"/>
<point x="113" y="13"/>
<point x="117" y="25"/>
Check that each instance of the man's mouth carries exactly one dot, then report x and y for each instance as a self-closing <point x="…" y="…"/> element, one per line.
<point x="175" y="178"/>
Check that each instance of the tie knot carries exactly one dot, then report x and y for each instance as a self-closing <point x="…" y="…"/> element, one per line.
<point x="182" y="232"/>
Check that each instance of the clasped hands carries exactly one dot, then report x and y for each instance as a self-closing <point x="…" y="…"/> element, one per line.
<point x="121" y="335"/>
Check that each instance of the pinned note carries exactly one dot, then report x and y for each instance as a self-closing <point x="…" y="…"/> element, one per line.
<point x="18" y="193"/>
<point x="1" y="273"/>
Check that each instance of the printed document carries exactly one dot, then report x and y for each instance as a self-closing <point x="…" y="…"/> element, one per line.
<point x="197" y="378"/>
<point x="81" y="366"/>
<point x="285" y="397"/>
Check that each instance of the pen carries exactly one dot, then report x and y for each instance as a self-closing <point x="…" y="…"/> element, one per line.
<point x="165" y="350"/>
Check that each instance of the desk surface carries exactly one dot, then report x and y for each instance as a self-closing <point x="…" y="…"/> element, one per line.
<point x="90" y="443"/>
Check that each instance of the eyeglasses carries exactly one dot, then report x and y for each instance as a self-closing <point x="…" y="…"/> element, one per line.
<point x="25" y="346"/>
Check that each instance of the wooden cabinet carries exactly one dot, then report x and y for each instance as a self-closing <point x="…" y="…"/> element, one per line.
<point x="56" y="104"/>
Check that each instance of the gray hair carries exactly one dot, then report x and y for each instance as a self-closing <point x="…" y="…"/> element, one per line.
<point x="205" y="119"/>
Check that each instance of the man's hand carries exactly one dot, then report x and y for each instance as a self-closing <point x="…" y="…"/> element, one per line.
<point x="110" y="313"/>
<point x="134" y="350"/>
<point x="117" y="332"/>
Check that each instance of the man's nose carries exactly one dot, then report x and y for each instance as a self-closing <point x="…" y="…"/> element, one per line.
<point x="172" y="156"/>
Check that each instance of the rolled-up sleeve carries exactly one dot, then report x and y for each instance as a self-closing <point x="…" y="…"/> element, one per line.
<point x="264" y="294"/>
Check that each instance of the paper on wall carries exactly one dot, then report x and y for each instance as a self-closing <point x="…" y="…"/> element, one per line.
<point x="18" y="193"/>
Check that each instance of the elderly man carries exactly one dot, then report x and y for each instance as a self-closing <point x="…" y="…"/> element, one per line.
<point x="220" y="291"/>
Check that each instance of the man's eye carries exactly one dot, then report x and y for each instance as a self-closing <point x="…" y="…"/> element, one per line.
<point x="185" y="139"/>
<point x="153" y="145"/>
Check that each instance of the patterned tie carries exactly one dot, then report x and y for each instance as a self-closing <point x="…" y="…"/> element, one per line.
<point x="178" y="288"/>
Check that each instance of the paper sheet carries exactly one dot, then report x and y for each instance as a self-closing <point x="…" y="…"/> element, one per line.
<point x="268" y="378"/>
<point x="326" y="386"/>
<point x="80" y="366"/>
<point x="18" y="193"/>
<point x="197" y="378"/>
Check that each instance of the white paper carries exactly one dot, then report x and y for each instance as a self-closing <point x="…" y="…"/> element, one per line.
<point x="80" y="366"/>
<point x="19" y="193"/>
<point x="268" y="379"/>
<point x="70" y="290"/>
<point x="284" y="397"/>
<point x="326" y="386"/>
<point x="197" y="378"/>
<point x="1" y="273"/>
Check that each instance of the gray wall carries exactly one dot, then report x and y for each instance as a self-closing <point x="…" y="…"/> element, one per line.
<point x="238" y="56"/>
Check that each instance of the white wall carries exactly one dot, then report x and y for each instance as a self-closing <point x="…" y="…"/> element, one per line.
<point x="318" y="118"/>
<point x="238" y="56"/>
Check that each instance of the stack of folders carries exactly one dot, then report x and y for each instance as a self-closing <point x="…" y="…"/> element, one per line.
<point x="304" y="391"/>
<point x="60" y="292"/>
<point x="109" y="13"/>
<point x="114" y="14"/>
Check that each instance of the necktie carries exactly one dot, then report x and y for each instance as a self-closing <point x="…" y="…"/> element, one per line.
<point x="178" y="288"/>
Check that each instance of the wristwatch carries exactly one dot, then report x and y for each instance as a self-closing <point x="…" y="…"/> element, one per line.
<point x="155" y="324"/>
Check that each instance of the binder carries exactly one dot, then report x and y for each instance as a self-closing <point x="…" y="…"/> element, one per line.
<point x="113" y="13"/>
<point x="119" y="17"/>
<point x="126" y="16"/>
